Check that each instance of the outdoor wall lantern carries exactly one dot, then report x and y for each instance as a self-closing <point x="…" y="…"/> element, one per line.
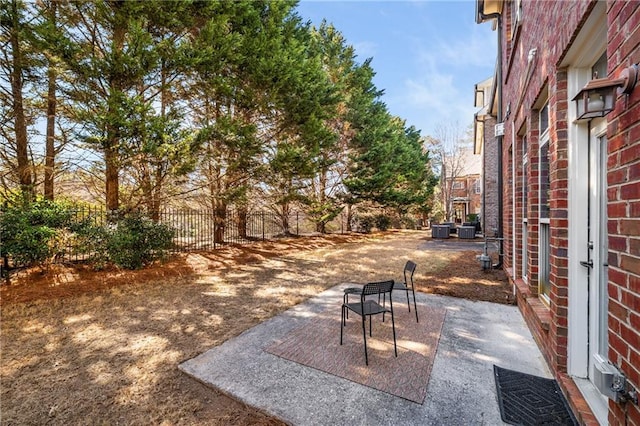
<point x="598" y="97"/>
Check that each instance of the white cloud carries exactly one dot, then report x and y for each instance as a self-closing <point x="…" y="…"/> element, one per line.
<point x="477" y="48"/>
<point x="365" y="49"/>
<point x="442" y="92"/>
<point x="434" y="100"/>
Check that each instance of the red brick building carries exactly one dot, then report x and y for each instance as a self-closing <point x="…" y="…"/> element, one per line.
<point x="465" y="188"/>
<point x="570" y="190"/>
<point x="484" y="129"/>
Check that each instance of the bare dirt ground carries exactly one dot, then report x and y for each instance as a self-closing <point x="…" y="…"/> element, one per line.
<point x="86" y="347"/>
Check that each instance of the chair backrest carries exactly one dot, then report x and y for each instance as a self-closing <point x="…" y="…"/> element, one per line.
<point x="409" y="269"/>
<point x="379" y="287"/>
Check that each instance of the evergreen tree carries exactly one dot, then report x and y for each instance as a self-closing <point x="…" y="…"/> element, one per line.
<point x="230" y="98"/>
<point x="163" y="149"/>
<point x="302" y="98"/>
<point x="16" y="68"/>
<point x="113" y="54"/>
<point x="325" y="195"/>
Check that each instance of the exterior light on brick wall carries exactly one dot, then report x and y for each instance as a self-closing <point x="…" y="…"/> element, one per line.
<point x="598" y="97"/>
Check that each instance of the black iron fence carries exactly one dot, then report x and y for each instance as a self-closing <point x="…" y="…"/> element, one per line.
<point x="200" y="230"/>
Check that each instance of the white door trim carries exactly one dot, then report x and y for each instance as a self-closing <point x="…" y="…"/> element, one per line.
<point x="578" y="133"/>
<point x="578" y="291"/>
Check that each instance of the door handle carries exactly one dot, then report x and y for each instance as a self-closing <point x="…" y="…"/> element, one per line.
<point x="587" y="263"/>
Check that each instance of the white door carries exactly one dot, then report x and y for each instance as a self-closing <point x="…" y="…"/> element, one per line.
<point x="597" y="249"/>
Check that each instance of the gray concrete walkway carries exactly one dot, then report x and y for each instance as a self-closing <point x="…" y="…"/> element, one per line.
<point x="461" y="389"/>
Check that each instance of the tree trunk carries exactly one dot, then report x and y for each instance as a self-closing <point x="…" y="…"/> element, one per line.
<point x="242" y="222"/>
<point x="111" y="170"/>
<point x="116" y="90"/>
<point x="158" y="183"/>
<point x="154" y="212"/>
<point x="22" y="147"/>
<point x="220" y="219"/>
<point x="321" y="224"/>
<point x="349" y="217"/>
<point x="285" y="218"/>
<point x="49" y="162"/>
<point x="156" y="196"/>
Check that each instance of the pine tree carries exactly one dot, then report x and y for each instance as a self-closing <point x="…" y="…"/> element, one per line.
<point x="15" y="115"/>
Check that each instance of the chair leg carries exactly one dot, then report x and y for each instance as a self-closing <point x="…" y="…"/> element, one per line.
<point x="407" y="291"/>
<point x="393" y="326"/>
<point x="384" y="303"/>
<point x="342" y="323"/>
<point x="415" y="306"/>
<point x="364" y="336"/>
<point x="345" y="314"/>
<point x="345" y="300"/>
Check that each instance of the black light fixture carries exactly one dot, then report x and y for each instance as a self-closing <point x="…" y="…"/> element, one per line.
<point x="598" y="97"/>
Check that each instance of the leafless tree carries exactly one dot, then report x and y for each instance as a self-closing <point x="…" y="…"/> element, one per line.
<point x="447" y="149"/>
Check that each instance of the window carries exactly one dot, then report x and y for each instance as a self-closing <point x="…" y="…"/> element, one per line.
<point x="599" y="69"/>
<point x="544" y="243"/>
<point x="544" y="119"/>
<point x="458" y="184"/>
<point x="544" y="180"/>
<point x="477" y="186"/>
<point x="525" y="179"/>
<point x="516" y="17"/>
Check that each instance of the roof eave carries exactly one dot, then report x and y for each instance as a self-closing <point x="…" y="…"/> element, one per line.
<point x="487" y="10"/>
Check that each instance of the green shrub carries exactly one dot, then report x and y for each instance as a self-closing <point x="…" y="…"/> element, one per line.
<point x="136" y="240"/>
<point x="91" y="240"/>
<point x="363" y="223"/>
<point x="34" y="232"/>
<point x="382" y="222"/>
<point x="408" y="223"/>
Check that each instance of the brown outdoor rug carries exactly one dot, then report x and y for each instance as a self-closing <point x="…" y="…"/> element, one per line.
<point x="317" y="344"/>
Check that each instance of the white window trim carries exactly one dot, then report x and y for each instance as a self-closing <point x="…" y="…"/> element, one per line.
<point x="525" y="221"/>
<point x="516" y="19"/>
<point x="544" y="141"/>
<point x="525" y="251"/>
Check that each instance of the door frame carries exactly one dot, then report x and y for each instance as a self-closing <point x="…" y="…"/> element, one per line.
<point x="588" y="45"/>
<point x="598" y="158"/>
<point x="578" y="351"/>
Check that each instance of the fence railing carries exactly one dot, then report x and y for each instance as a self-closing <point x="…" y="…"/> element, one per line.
<point x="203" y="230"/>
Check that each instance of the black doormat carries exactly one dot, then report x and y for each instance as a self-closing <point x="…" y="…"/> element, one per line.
<point x="531" y="400"/>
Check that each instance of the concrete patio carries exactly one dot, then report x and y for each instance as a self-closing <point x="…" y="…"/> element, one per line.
<point x="461" y="388"/>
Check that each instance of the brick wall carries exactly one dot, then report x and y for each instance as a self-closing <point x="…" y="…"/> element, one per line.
<point x="623" y="47"/>
<point x="490" y="170"/>
<point x="559" y="223"/>
<point x="526" y="85"/>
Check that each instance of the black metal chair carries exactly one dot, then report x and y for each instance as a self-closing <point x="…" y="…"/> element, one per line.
<point x="409" y="269"/>
<point x="355" y="290"/>
<point x="368" y="307"/>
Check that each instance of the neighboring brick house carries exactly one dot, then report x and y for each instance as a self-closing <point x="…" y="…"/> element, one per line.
<point x="465" y="187"/>
<point x="462" y="190"/>
<point x="485" y="146"/>
<point x="570" y="192"/>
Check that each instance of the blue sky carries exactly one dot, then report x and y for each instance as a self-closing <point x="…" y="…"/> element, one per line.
<point x="427" y="54"/>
